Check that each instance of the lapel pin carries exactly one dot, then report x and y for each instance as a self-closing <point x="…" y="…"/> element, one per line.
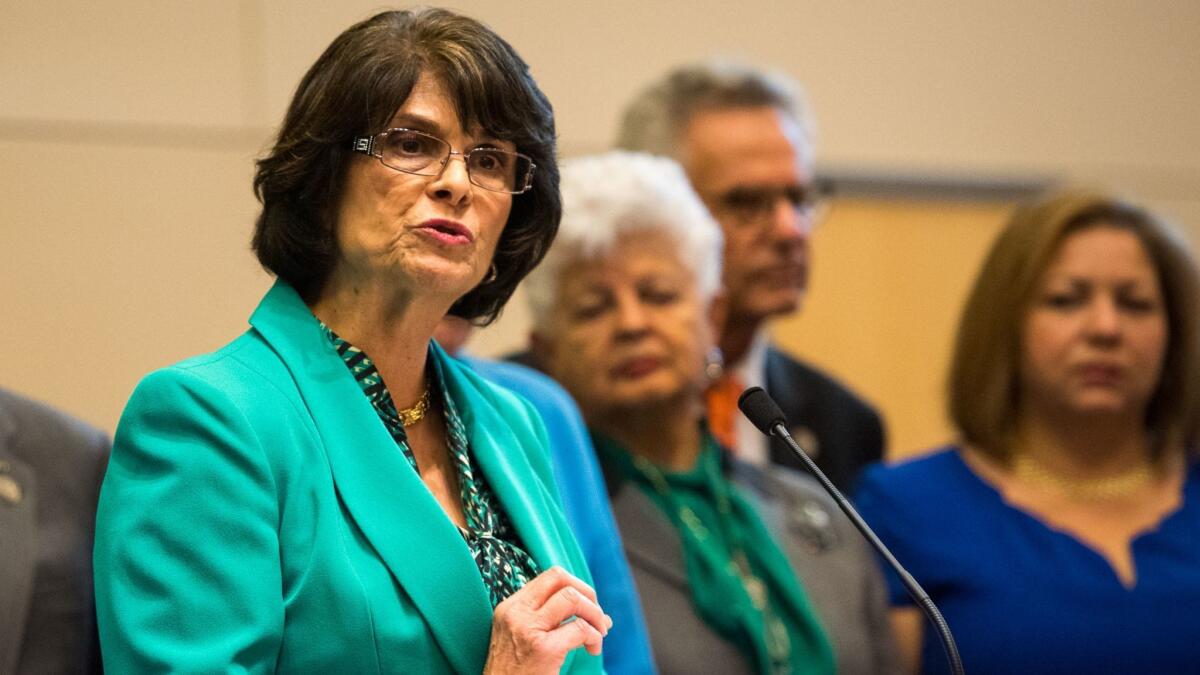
<point x="813" y="524"/>
<point x="10" y="490"/>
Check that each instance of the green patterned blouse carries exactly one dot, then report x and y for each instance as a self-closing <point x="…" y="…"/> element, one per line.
<point x="494" y="544"/>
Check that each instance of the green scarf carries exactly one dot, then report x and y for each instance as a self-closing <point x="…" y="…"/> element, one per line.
<point x="732" y="562"/>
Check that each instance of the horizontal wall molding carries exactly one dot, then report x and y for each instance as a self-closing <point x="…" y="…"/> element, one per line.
<point x="845" y="182"/>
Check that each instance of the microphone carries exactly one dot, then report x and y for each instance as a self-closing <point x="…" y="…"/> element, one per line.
<point x="762" y="410"/>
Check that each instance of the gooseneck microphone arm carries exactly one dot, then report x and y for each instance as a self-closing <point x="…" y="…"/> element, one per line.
<point x="758" y="406"/>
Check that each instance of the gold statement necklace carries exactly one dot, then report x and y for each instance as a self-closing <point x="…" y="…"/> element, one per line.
<point x="411" y="415"/>
<point x="1033" y="472"/>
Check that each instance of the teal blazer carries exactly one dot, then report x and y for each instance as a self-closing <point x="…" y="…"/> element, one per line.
<point x="257" y="517"/>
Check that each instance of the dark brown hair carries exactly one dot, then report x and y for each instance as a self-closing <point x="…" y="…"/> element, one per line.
<point x="354" y="89"/>
<point x="984" y="387"/>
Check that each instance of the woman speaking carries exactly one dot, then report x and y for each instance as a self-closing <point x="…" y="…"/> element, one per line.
<point x="329" y="492"/>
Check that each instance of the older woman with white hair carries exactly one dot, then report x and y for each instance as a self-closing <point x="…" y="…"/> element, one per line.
<point x="740" y="569"/>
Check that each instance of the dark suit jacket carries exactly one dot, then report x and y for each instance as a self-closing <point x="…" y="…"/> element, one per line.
<point x="50" y="472"/>
<point x="832" y="562"/>
<point x="841" y="432"/>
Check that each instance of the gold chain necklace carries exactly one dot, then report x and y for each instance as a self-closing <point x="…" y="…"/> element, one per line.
<point x="416" y="413"/>
<point x="1034" y="472"/>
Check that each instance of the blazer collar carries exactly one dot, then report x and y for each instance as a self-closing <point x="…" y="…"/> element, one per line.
<point x="385" y="497"/>
<point x="19" y="528"/>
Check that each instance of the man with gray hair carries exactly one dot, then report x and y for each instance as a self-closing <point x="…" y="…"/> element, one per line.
<point x="745" y="139"/>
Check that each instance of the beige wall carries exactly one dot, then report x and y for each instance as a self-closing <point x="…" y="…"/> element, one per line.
<point x="127" y="132"/>
<point x="888" y="283"/>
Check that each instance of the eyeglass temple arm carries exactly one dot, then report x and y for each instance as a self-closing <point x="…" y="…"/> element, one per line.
<point x="363" y="144"/>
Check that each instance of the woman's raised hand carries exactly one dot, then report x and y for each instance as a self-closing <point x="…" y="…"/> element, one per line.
<point x="535" y="628"/>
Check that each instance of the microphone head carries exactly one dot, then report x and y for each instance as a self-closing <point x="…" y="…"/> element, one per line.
<point x="762" y="410"/>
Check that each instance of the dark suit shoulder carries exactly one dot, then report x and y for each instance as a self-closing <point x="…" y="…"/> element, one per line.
<point x="61" y="461"/>
<point x="842" y="432"/>
<point x="68" y="457"/>
<point x="788" y="377"/>
<point x="44" y="436"/>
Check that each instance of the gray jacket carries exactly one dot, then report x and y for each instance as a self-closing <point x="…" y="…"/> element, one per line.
<point x="50" y="472"/>
<point x="833" y="563"/>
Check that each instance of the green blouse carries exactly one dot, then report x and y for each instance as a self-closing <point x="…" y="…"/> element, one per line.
<point x="742" y="584"/>
<point x="494" y="544"/>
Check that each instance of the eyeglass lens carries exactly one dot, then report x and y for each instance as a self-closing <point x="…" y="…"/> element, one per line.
<point x="759" y="202"/>
<point x="419" y="153"/>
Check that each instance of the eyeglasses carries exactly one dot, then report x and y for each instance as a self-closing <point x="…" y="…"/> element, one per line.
<point x="417" y="152"/>
<point x="755" y="207"/>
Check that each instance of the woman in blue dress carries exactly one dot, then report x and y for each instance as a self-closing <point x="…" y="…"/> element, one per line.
<point x="1062" y="533"/>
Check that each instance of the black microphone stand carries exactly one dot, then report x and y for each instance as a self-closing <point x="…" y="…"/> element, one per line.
<point x="774" y="426"/>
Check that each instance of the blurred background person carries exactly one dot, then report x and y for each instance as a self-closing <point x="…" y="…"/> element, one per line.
<point x="1062" y="533"/>
<point x="745" y="139"/>
<point x="50" y="471"/>
<point x="740" y="568"/>
<point x="330" y="492"/>
<point x="584" y="499"/>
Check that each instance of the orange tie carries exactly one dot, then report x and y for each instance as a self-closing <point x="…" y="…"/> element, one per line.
<point x="721" y="400"/>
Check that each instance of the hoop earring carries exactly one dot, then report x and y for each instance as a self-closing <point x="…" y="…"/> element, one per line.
<point x="491" y="275"/>
<point x="714" y="364"/>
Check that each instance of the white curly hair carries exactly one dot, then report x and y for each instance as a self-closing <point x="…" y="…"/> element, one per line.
<point x="616" y="192"/>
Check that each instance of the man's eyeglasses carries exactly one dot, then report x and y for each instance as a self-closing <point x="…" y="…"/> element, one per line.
<point x="417" y="152"/>
<point x="755" y="206"/>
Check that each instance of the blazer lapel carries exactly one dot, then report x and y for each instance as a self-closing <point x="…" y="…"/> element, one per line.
<point x="501" y="452"/>
<point x="385" y="497"/>
<point x="18" y="538"/>
<point x="781" y="385"/>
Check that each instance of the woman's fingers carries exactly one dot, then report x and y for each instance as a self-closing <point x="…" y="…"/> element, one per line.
<point x="546" y="584"/>
<point x="569" y="602"/>
<point x="573" y="634"/>
<point x="535" y="628"/>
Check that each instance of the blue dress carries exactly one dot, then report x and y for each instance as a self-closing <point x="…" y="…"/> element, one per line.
<point x="1023" y="598"/>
